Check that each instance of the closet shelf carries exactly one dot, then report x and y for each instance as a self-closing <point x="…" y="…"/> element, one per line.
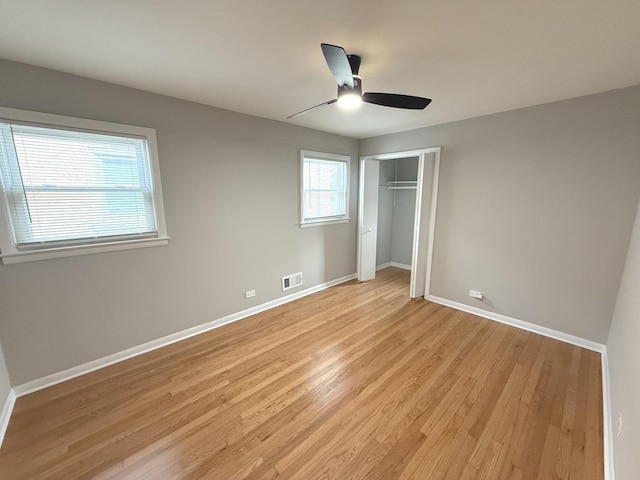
<point x="402" y="185"/>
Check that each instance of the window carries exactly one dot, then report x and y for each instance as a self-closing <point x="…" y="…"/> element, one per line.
<point x="325" y="188"/>
<point x="72" y="186"/>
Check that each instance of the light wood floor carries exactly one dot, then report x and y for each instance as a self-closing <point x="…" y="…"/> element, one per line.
<point x="354" y="382"/>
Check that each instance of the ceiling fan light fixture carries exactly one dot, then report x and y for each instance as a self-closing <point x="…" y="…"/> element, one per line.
<point x="350" y="98"/>
<point x="349" y="101"/>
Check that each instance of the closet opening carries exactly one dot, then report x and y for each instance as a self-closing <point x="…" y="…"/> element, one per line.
<point x="396" y="214"/>
<point x="398" y="181"/>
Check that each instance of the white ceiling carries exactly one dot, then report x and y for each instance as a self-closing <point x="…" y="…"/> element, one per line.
<point x="263" y="57"/>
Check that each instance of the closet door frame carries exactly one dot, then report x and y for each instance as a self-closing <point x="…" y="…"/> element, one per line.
<point x="420" y="283"/>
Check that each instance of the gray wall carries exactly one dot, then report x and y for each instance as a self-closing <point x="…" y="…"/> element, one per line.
<point x="385" y="212"/>
<point x="402" y="228"/>
<point x="536" y="207"/>
<point x="404" y="213"/>
<point x="396" y="212"/>
<point x="230" y="185"/>
<point x="624" y="359"/>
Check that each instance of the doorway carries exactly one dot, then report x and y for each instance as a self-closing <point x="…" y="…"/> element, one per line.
<point x="375" y="185"/>
<point x="396" y="212"/>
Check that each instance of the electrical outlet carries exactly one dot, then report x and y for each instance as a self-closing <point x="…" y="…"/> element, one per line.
<point x="476" y="294"/>
<point x="249" y="294"/>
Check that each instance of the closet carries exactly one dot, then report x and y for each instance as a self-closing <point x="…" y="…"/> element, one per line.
<point x="396" y="212"/>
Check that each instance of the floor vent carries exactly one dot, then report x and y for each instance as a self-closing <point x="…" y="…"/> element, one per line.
<point x="291" y="281"/>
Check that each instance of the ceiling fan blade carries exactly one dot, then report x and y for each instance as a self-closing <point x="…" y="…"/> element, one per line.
<point x="338" y="63"/>
<point x="398" y="101"/>
<point x="328" y="102"/>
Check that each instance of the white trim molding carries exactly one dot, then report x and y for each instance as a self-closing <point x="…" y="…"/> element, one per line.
<point x="5" y="415"/>
<point x="73" y="251"/>
<point x="531" y="327"/>
<point x="607" y="423"/>
<point x="73" y="372"/>
<point x="403" y="266"/>
<point x="432" y="221"/>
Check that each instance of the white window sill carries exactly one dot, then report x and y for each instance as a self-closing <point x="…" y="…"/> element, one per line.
<point x="76" y="250"/>
<point x="320" y="223"/>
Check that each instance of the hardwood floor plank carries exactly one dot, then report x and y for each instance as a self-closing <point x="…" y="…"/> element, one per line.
<point x="354" y="382"/>
<point x="458" y="456"/>
<point x="594" y="451"/>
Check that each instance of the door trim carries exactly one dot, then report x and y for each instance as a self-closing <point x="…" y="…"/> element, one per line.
<point x="418" y="229"/>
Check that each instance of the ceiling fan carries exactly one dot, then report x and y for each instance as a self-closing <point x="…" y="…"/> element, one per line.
<point x="345" y="70"/>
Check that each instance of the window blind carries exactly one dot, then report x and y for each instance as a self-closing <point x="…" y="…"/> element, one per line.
<point x="66" y="187"/>
<point x="325" y="189"/>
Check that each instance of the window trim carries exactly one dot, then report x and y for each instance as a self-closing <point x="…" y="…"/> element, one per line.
<point x="325" y="220"/>
<point x="9" y="254"/>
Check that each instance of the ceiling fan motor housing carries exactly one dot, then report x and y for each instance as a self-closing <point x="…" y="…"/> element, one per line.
<point x="354" y="63"/>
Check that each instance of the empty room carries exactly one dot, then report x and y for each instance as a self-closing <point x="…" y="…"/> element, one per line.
<point x="306" y="240"/>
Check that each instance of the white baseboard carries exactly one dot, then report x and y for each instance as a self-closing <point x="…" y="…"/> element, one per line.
<point x="400" y="265"/>
<point x="608" y="419"/>
<point x="73" y="372"/>
<point x="531" y="327"/>
<point x="6" y="413"/>
<point x="393" y="264"/>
